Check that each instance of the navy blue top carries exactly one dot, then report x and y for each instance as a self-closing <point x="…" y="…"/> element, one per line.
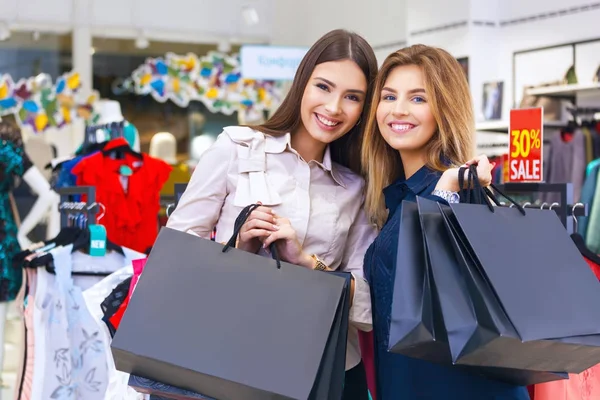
<point x="400" y="377"/>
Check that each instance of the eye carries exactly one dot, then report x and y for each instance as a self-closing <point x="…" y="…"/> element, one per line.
<point x="419" y="99"/>
<point x="353" y="97"/>
<point x="322" y="86"/>
<point x="388" y="97"/>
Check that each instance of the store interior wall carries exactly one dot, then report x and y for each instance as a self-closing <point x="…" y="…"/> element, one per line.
<point x="488" y="32"/>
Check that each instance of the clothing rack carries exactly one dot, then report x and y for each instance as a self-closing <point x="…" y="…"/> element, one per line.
<point x="565" y="213"/>
<point x="179" y="189"/>
<point x="575" y="111"/>
<point x="70" y="204"/>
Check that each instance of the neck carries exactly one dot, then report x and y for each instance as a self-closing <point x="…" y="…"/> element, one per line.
<point x="309" y="148"/>
<point x="411" y="162"/>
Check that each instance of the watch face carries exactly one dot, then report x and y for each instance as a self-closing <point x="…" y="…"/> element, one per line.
<point x="454" y="198"/>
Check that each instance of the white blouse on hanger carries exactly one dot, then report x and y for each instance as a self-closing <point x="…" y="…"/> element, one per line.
<point x="74" y="352"/>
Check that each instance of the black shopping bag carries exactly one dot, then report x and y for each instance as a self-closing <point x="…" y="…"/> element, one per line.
<point x="532" y="293"/>
<point x="455" y="305"/>
<point x="413" y="322"/>
<point x="234" y="325"/>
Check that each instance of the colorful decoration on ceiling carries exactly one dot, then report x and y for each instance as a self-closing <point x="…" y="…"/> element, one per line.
<point x="42" y="104"/>
<point x="214" y="79"/>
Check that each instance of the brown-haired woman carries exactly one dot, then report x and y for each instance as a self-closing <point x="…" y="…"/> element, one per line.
<point x="303" y="166"/>
<point x="420" y="130"/>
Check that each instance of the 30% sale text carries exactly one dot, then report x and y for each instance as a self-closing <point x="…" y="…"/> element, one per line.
<point x="525" y="155"/>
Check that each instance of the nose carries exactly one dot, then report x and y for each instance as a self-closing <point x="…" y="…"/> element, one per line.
<point x="400" y="109"/>
<point x="333" y="106"/>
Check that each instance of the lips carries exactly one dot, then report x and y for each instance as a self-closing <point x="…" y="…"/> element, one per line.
<point x="401" y="126"/>
<point x="325" y="123"/>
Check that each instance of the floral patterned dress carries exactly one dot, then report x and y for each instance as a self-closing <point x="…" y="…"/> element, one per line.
<point x="13" y="163"/>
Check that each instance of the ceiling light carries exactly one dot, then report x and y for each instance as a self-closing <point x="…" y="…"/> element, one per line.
<point x="141" y="42"/>
<point x="36" y="36"/>
<point x="250" y="15"/>
<point x="224" y="46"/>
<point x="92" y="50"/>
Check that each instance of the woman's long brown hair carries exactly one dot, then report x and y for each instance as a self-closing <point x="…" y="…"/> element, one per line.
<point x="337" y="45"/>
<point x="451" y="105"/>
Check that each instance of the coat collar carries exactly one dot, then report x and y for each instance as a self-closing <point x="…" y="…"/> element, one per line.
<point x="415" y="185"/>
<point x="279" y="144"/>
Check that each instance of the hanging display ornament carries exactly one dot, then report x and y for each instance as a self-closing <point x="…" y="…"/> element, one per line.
<point x="214" y="79"/>
<point x="41" y="104"/>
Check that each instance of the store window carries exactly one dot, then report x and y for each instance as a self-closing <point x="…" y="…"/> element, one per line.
<point x="114" y="60"/>
<point x="27" y="54"/>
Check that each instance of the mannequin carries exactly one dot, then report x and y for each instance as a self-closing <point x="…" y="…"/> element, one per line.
<point x="110" y="111"/>
<point x="40" y="153"/>
<point x="14" y="163"/>
<point x="47" y="200"/>
<point x="199" y="145"/>
<point x="163" y="145"/>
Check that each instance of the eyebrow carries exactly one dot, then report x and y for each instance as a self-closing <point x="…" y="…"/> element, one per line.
<point x="412" y="91"/>
<point x="327" y="81"/>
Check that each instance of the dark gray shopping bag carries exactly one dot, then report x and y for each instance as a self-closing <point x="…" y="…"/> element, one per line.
<point x="232" y="325"/>
<point x="454" y="306"/>
<point x="413" y="320"/>
<point x="531" y="336"/>
<point x="521" y="295"/>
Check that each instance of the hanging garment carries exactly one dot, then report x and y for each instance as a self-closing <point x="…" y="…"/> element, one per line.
<point x="566" y="163"/>
<point x="587" y="197"/>
<point x="118" y="388"/>
<point x="13" y="163"/>
<point x="131" y="199"/>
<point x="107" y="264"/>
<point x="74" y="356"/>
<point x="592" y="238"/>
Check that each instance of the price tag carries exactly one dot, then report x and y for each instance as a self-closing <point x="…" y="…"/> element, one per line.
<point x="97" y="240"/>
<point x="525" y="156"/>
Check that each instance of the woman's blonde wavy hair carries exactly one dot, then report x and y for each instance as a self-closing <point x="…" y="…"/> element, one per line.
<point x="451" y="105"/>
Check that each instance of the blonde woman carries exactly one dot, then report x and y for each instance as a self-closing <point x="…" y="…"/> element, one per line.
<point x="419" y="131"/>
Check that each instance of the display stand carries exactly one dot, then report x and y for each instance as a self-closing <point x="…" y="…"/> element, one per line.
<point x="71" y="205"/>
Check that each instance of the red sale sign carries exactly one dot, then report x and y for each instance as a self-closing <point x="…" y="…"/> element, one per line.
<point x="525" y="156"/>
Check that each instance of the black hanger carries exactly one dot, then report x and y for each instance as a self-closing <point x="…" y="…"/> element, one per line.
<point x="120" y="151"/>
<point x="82" y="243"/>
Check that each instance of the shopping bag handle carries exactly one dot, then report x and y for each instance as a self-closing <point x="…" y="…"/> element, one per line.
<point x="480" y="192"/>
<point x="237" y="226"/>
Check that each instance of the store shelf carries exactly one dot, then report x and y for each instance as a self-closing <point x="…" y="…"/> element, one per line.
<point x="492" y="126"/>
<point x="502" y="126"/>
<point x="563" y="90"/>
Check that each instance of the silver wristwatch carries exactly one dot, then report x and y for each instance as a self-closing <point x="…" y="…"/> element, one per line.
<point x="449" y="196"/>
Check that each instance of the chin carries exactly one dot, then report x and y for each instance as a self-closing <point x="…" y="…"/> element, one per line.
<point x="325" y="137"/>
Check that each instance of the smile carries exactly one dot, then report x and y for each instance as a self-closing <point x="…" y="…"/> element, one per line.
<point x="326" y="121"/>
<point x="401" y="128"/>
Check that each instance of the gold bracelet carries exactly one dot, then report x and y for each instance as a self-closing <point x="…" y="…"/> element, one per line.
<point x="319" y="265"/>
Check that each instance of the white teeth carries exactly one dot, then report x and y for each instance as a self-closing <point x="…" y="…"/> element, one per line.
<point x="326" y="121"/>
<point x="403" y="127"/>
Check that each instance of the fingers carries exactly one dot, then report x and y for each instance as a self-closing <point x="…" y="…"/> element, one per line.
<point x="481" y="159"/>
<point x="254" y="234"/>
<point x="285" y="232"/>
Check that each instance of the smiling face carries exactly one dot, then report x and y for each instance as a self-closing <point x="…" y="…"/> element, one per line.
<point x="404" y="115"/>
<point x="333" y="100"/>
